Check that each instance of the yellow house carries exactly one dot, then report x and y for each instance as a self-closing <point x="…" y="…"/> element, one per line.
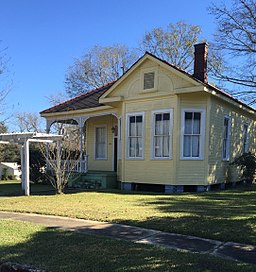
<point x="160" y="128"/>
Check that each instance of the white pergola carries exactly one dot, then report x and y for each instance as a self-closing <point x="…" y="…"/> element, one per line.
<point x="23" y="139"/>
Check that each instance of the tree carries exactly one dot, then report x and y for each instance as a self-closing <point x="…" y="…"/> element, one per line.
<point x="28" y="122"/>
<point x="174" y="44"/>
<point x="247" y="164"/>
<point x="5" y="82"/>
<point x="37" y="163"/>
<point x="57" y="98"/>
<point x="10" y="152"/>
<point x="61" y="160"/>
<point x="31" y="122"/>
<point x="235" y="38"/>
<point x="100" y="65"/>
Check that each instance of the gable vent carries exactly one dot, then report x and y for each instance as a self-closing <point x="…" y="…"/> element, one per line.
<point x="149" y="80"/>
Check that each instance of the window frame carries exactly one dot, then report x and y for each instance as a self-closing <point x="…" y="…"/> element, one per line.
<point x="135" y="114"/>
<point x="246" y="140"/>
<point x="201" y="135"/>
<point x="106" y="141"/>
<point x="153" y="124"/>
<point x="227" y="157"/>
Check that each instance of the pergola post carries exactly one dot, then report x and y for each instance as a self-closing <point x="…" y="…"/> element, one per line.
<point x="22" y="159"/>
<point x="23" y="139"/>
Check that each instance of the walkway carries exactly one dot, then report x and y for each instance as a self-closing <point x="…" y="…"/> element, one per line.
<point x="235" y="251"/>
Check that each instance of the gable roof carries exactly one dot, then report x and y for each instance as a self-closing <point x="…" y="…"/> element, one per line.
<point x="86" y="100"/>
<point x="90" y="99"/>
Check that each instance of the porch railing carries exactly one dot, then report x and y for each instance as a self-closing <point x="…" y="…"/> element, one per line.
<point x="79" y="166"/>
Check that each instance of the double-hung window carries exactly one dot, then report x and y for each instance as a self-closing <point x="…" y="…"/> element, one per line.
<point x="193" y="131"/>
<point x="101" y="142"/>
<point x="226" y="138"/>
<point x="245" y="139"/>
<point x="162" y="130"/>
<point x="135" y="135"/>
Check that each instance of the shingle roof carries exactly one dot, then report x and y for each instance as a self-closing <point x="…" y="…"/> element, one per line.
<point x="86" y="100"/>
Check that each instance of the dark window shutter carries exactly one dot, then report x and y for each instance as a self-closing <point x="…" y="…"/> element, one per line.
<point x="149" y="80"/>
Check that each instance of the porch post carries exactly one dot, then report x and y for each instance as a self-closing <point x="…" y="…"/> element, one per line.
<point x="81" y="123"/>
<point x="81" y="144"/>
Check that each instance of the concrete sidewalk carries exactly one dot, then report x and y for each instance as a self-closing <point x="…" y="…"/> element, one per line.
<point x="235" y="251"/>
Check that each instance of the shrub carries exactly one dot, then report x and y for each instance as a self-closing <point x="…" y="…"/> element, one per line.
<point x="247" y="164"/>
<point x="11" y="177"/>
<point x="5" y="174"/>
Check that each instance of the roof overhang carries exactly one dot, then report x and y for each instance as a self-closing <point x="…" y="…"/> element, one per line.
<point x="74" y="113"/>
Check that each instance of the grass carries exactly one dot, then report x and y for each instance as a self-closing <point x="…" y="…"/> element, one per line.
<point x="13" y="187"/>
<point x="222" y="215"/>
<point x="58" y="250"/>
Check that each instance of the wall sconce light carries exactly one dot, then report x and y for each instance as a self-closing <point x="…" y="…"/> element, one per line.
<point x="114" y="130"/>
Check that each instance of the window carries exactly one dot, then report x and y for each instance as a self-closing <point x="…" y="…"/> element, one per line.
<point x="245" y="139"/>
<point x="101" y="142"/>
<point x="135" y="135"/>
<point x="193" y="129"/>
<point x="162" y="129"/>
<point x="226" y="138"/>
<point x="149" y="80"/>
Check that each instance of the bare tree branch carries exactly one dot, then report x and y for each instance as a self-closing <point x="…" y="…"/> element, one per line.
<point x="235" y="44"/>
<point x="61" y="161"/>
<point x="100" y="65"/>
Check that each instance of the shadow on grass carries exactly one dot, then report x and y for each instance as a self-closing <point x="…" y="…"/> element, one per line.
<point x="56" y="250"/>
<point x="13" y="188"/>
<point x="226" y="215"/>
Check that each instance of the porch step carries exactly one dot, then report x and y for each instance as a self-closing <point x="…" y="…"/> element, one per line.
<point x="94" y="180"/>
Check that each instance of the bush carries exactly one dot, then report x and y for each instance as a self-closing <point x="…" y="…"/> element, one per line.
<point x="11" y="177"/>
<point x="247" y="164"/>
<point x="5" y="174"/>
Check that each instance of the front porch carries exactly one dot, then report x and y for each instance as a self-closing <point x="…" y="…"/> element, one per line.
<point x="95" y="136"/>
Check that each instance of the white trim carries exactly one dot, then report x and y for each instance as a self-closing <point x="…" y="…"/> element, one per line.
<point x="119" y="143"/>
<point x="80" y="119"/>
<point x="227" y="158"/>
<point x="202" y="133"/>
<point x="76" y="113"/>
<point x="106" y="140"/>
<point x="127" y="134"/>
<point x="153" y="113"/>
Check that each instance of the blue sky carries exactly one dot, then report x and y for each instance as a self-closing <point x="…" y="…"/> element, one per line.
<point x="44" y="36"/>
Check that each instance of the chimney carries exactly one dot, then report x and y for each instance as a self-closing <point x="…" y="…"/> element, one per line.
<point x="200" y="62"/>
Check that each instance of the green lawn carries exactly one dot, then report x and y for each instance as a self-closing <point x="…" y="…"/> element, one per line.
<point x="56" y="250"/>
<point x="223" y="215"/>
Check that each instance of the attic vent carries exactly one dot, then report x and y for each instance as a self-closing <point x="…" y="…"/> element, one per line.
<point x="149" y="80"/>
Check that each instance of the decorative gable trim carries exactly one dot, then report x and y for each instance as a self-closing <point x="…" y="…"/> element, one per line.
<point x="165" y="65"/>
